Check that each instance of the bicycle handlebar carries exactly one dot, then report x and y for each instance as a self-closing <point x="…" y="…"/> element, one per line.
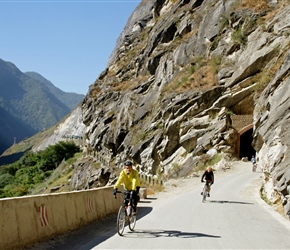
<point x="121" y="192"/>
<point x="116" y="193"/>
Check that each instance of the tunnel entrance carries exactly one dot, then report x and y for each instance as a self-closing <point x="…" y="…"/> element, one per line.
<point x="244" y="125"/>
<point x="246" y="148"/>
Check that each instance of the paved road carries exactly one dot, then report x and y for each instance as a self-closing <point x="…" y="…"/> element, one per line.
<point x="232" y="218"/>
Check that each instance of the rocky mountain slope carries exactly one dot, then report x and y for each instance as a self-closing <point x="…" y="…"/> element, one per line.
<point x="181" y="73"/>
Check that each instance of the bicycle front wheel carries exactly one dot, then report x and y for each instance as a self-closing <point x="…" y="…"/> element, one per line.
<point x="204" y="194"/>
<point x="121" y="220"/>
<point x="132" y="222"/>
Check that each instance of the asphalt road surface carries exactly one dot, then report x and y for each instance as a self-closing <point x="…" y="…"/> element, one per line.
<point x="234" y="217"/>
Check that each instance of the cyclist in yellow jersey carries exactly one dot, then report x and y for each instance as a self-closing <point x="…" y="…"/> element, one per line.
<point x="130" y="179"/>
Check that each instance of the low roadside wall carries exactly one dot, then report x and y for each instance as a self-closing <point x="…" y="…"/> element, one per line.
<point x="31" y="219"/>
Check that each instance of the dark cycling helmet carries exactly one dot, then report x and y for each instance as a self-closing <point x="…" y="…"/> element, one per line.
<point x="128" y="163"/>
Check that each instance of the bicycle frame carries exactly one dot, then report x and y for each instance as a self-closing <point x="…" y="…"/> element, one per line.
<point x="126" y="199"/>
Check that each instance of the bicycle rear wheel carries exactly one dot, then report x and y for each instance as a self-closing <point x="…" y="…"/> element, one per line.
<point x="132" y="222"/>
<point x="254" y="167"/>
<point x="121" y="220"/>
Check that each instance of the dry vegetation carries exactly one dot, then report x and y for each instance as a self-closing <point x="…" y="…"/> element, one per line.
<point x="257" y="5"/>
<point x="198" y="76"/>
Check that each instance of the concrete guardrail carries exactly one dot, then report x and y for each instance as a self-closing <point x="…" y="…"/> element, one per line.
<point x="31" y="219"/>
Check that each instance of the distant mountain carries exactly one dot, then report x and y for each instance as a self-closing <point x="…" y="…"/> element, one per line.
<point x="71" y="100"/>
<point x="12" y="128"/>
<point x="29" y="103"/>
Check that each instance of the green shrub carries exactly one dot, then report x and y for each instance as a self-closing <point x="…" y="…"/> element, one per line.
<point x="33" y="168"/>
<point x="239" y="37"/>
<point x="5" y="179"/>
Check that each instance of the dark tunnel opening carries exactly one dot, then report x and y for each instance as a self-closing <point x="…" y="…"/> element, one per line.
<point x="246" y="148"/>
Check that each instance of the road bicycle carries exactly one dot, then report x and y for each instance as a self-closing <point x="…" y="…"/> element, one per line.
<point x="205" y="190"/>
<point x="125" y="214"/>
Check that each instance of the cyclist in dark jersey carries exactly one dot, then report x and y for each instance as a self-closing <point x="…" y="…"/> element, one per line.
<point x="208" y="176"/>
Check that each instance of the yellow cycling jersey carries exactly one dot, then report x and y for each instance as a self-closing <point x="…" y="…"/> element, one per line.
<point x="130" y="181"/>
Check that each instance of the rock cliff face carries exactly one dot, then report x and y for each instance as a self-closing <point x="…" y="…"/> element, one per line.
<point x="180" y="73"/>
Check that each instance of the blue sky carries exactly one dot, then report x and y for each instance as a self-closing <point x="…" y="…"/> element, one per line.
<point x="67" y="42"/>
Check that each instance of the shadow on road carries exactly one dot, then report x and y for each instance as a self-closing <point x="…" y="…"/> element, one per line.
<point x="147" y="200"/>
<point x="148" y="233"/>
<point x="142" y="211"/>
<point x="151" y="198"/>
<point x="231" y="202"/>
<point x="87" y="236"/>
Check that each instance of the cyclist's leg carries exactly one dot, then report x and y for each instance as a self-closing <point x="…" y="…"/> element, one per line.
<point x="137" y="199"/>
<point x="135" y="202"/>
<point x="126" y="199"/>
<point x="208" y="189"/>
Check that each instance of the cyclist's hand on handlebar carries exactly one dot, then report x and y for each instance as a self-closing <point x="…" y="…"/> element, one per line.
<point x="115" y="192"/>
